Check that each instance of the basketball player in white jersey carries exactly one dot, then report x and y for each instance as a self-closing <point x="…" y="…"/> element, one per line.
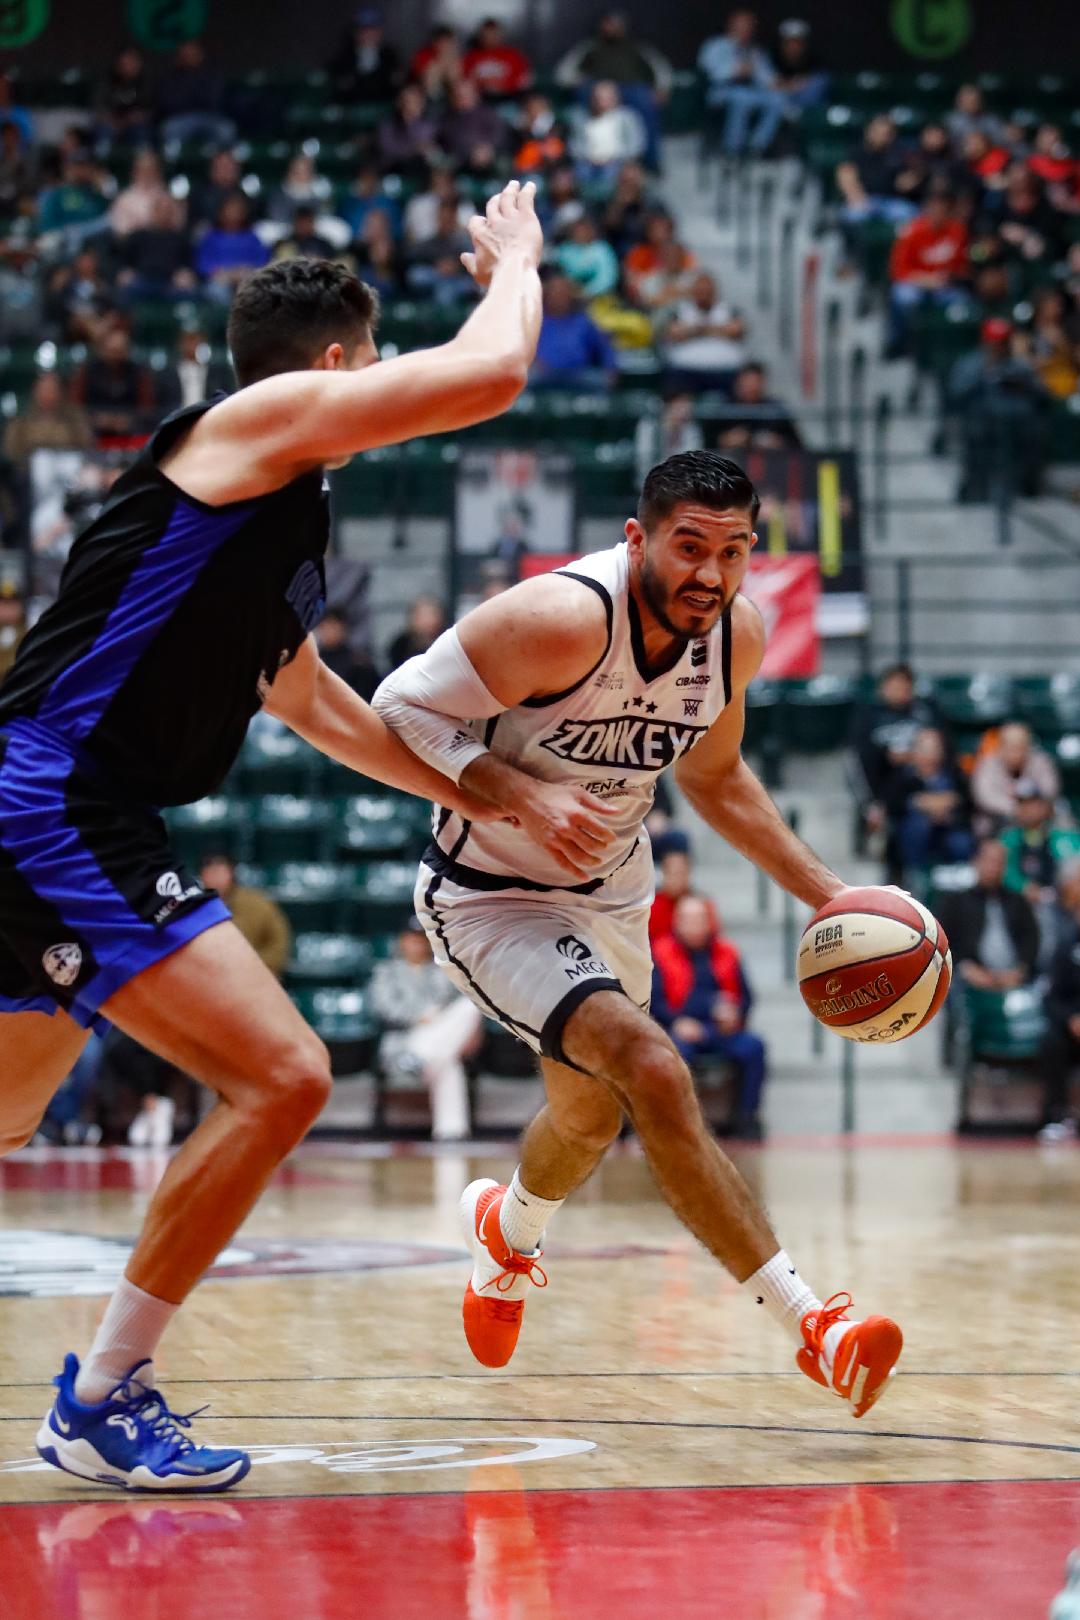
<point x="603" y="674"/>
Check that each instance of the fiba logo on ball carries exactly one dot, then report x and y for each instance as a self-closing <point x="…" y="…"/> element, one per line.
<point x="889" y="967"/>
<point x="63" y="963"/>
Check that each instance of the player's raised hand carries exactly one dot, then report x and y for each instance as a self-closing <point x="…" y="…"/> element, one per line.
<point x="509" y="223"/>
<point x="570" y="824"/>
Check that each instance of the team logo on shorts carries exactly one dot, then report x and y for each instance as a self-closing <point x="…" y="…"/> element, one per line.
<point x="63" y="963"/>
<point x="169" y="886"/>
<point x="572" y="947"/>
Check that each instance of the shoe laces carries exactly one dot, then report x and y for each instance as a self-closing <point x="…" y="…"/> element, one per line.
<point x="150" y="1408"/>
<point x="518" y="1265"/>
<point x="834" y="1310"/>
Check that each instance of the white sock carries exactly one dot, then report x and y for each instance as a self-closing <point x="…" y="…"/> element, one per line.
<point x="524" y="1216"/>
<point x="778" y="1286"/>
<point x="130" y="1330"/>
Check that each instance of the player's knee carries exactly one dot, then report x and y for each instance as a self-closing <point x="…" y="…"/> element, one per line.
<point x="658" y="1082"/>
<point x="592" y="1129"/>
<point x="14" y="1137"/>
<point x="300" y="1084"/>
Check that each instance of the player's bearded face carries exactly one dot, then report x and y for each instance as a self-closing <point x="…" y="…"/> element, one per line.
<point x="680" y="602"/>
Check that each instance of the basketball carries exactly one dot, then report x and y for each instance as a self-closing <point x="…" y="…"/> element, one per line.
<point x="874" y="965"/>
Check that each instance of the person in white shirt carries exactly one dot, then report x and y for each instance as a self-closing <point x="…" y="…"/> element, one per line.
<point x="609" y="134"/>
<point x="704" y="342"/>
<point x="741" y="79"/>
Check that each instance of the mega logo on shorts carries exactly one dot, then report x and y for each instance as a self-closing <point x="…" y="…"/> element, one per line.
<point x="587" y="965"/>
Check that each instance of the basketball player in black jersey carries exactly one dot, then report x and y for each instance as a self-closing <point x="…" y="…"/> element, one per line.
<point x="188" y="604"/>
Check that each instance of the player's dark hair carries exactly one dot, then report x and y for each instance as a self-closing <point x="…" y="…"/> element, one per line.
<point x="704" y="476"/>
<point x="287" y="313"/>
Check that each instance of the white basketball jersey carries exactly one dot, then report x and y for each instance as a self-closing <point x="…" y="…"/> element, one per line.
<point x="613" y="732"/>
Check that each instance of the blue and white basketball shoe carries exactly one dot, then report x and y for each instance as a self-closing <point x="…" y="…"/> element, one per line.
<point x="132" y="1440"/>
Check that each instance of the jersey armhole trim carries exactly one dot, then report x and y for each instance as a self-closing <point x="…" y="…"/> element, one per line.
<point x="560" y="697"/>
<point x="725" y="653"/>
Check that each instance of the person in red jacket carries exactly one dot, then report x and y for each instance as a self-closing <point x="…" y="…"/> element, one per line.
<point x="928" y="264"/>
<point x="701" y="997"/>
<point x="496" y="68"/>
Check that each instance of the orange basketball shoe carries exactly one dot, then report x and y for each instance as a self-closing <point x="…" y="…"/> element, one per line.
<point x="855" y="1360"/>
<point x="495" y="1298"/>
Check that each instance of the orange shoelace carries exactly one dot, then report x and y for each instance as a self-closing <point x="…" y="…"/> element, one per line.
<point x="834" y="1310"/>
<point x="519" y="1265"/>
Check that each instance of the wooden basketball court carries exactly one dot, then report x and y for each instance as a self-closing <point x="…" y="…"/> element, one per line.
<point x="651" y="1449"/>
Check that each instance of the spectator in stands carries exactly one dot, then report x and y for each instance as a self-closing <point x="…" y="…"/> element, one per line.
<point x="660" y="291"/>
<point x="741" y="79"/>
<point x="422" y="209"/>
<point x="1035" y="851"/>
<point x="992" y="930"/>
<point x="194" y="373"/>
<point x="190" y="99"/>
<point x="647" y="254"/>
<point x="675" y="880"/>
<point x="867" y="182"/>
<point x="365" y="68"/>
<point x="126" y="102"/>
<point x="931" y="165"/>
<point x="494" y="66"/>
<point x="986" y="164"/>
<point x="928" y="265"/>
<point x="992" y="291"/>
<point x="306" y="241"/>
<point x="429" y="1028"/>
<point x="301" y="187"/>
<point x="541" y="137"/>
<point x="426" y="621"/>
<point x="378" y="258"/>
<point x="230" y="250"/>
<point x="223" y="180"/>
<point x="702" y="998"/>
<point x="367" y="195"/>
<point x="12" y="113"/>
<point x="77" y="295"/>
<point x="573" y="352"/>
<point x="435" y="269"/>
<point x="627" y="209"/>
<point x="767" y="423"/>
<point x="145" y="202"/>
<point x="643" y="75"/>
<point x="154" y="261"/>
<point x="883" y="737"/>
<point x="970" y="117"/>
<point x="608" y="135"/>
<point x="799" y="75"/>
<point x="1049" y="345"/>
<point x="562" y="203"/>
<point x="1061" y="1052"/>
<point x="116" y="390"/>
<point x="472" y="133"/>
<point x="77" y="205"/>
<point x="337" y="653"/>
<point x="1052" y="163"/>
<point x="49" y="421"/>
<point x="17" y="168"/>
<point x="1027" y="223"/>
<point x="588" y="259"/>
<point x="407" y="138"/>
<point x="999" y="772"/>
<point x="703" y="347"/>
<point x="999" y="404"/>
<point x="437" y="66"/>
<point x="260" y="919"/>
<point x="670" y="433"/>
<point x="928" y="809"/>
<point x="12" y="623"/>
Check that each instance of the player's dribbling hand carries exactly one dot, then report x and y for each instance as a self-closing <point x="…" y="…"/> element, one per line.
<point x="508" y="222"/>
<point x="570" y="824"/>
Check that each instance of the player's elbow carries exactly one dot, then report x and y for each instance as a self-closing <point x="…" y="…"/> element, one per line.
<point x="508" y="377"/>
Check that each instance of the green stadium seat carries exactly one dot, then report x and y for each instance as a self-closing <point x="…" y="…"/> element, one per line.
<point x="273" y="761"/>
<point x="1067" y="755"/>
<point x="293" y="827"/>
<point x="1050" y="707"/>
<point x="219" y="824"/>
<point x="1004" y="1026"/>
<point x="971" y="704"/>
<point x="330" y="959"/>
<point x="384" y="896"/>
<point x="316" y="896"/>
<point x="381" y="826"/>
<point x="342" y="1019"/>
<point x="817" y="713"/>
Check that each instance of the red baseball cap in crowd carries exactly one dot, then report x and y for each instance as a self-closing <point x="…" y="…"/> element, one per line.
<point x="996" y="330"/>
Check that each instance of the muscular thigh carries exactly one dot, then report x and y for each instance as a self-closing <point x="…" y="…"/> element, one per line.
<point x="214" y="1010"/>
<point x="37" y="1053"/>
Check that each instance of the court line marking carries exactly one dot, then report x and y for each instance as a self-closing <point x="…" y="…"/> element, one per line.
<point x="511" y="1378"/>
<point x="628" y="1423"/>
<point x="73" y="1499"/>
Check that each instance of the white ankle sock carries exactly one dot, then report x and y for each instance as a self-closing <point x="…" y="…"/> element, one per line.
<point x="778" y="1286"/>
<point x="524" y="1216"/>
<point x="130" y="1330"/>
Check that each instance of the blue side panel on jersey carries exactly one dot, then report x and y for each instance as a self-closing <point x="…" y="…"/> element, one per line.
<point x="168" y="569"/>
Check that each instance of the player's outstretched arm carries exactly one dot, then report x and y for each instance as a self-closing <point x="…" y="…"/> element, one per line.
<point x="728" y="796"/>
<point x="321" y="708"/>
<point x="301" y="419"/>
<point x="540" y="637"/>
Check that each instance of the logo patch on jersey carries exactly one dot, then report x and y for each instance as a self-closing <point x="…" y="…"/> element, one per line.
<point x="63" y="963"/>
<point x="691" y="707"/>
<point x="623" y="741"/>
<point x="699" y="652"/>
<point x="570" y="945"/>
<point x="610" y="683"/>
<point x="610" y="787"/>
<point x="306" y="595"/>
<point x="693" y="680"/>
<point x="586" y="965"/>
